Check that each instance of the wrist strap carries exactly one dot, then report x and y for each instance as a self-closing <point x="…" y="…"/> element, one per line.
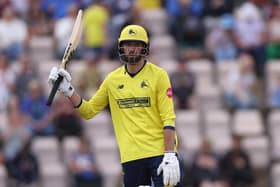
<point x="173" y="153"/>
<point x="169" y="152"/>
<point x="81" y="101"/>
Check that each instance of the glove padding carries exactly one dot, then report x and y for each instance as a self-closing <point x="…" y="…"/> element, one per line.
<point x="65" y="86"/>
<point x="170" y="168"/>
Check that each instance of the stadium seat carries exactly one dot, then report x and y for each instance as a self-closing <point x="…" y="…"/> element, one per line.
<point x="258" y="148"/>
<point x="273" y="68"/>
<point x="41" y="47"/>
<point x="274" y="129"/>
<point x="105" y="67"/>
<point x="107" y="157"/>
<point x="155" y="21"/>
<point x="53" y="174"/>
<point x="247" y="123"/>
<point x="170" y="65"/>
<point x="3" y="122"/>
<point x="162" y="47"/>
<point x="203" y="71"/>
<point x="76" y="66"/>
<point x="99" y="126"/>
<point x="272" y="77"/>
<point x="189" y="131"/>
<point x="3" y="176"/>
<point x="223" y="70"/>
<point x="209" y="97"/>
<point x="47" y="149"/>
<point x="275" y="174"/>
<point x="217" y="129"/>
<point x="69" y="145"/>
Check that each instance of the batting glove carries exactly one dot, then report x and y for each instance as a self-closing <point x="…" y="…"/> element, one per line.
<point x="65" y="86"/>
<point x="170" y="168"/>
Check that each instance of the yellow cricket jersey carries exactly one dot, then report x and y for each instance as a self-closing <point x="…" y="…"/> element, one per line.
<point x="140" y="107"/>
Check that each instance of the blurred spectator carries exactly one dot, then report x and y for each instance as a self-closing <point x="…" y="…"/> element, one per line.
<point x="241" y="85"/>
<point x="250" y="34"/>
<point x="24" y="168"/>
<point x="268" y="8"/>
<point x="123" y="12"/>
<point x="83" y="167"/>
<point x="3" y="5"/>
<point x="7" y="82"/>
<point x="205" y="168"/>
<point x="183" y="85"/>
<point x="273" y="48"/>
<point x="89" y="78"/>
<point x="186" y="25"/>
<point x="13" y="34"/>
<point x="235" y="165"/>
<point x="65" y="119"/>
<point x="17" y="134"/>
<point x="148" y="4"/>
<point x="56" y="9"/>
<point x="220" y="43"/>
<point x="63" y="29"/>
<point x="27" y="72"/>
<point x="21" y="7"/>
<point x="34" y="105"/>
<point x="216" y="8"/>
<point x="177" y="7"/>
<point x="95" y="20"/>
<point x="193" y="37"/>
<point x="38" y="22"/>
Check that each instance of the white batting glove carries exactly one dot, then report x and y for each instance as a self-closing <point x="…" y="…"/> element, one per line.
<point x="170" y="168"/>
<point x="65" y="86"/>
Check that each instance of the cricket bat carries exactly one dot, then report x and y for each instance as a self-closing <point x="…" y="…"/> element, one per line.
<point x="71" y="46"/>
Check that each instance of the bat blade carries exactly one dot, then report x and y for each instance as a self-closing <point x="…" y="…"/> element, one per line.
<point x="71" y="46"/>
<point x="73" y="40"/>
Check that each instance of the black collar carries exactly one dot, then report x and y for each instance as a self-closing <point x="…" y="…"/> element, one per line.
<point x="133" y="74"/>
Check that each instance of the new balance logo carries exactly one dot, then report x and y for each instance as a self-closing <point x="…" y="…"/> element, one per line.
<point x="120" y="86"/>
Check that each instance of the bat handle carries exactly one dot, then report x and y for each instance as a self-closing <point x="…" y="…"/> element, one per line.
<point x="54" y="90"/>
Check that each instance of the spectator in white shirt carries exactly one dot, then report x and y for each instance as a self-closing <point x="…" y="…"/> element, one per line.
<point x="241" y="84"/>
<point x="250" y="34"/>
<point x="63" y="29"/>
<point x="13" y="32"/>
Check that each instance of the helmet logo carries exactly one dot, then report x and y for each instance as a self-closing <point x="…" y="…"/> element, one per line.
<point x="132" y="32"/>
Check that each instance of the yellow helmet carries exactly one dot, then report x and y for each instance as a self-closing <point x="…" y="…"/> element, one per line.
<point x="134" y="33"/>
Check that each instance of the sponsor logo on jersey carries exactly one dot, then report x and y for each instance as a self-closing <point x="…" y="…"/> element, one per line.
<point x="134" y="102"/>
<point x="169" y="93"/>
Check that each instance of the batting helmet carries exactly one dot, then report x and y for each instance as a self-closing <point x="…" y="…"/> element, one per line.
<point x="134" y="33"/>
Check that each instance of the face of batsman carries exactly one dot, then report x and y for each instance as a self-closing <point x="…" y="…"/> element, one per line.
<point x="131" y="52"/>
<point x="133" y="44"/>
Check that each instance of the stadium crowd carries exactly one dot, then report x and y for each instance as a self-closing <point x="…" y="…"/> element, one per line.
<point x="223" y="60"/>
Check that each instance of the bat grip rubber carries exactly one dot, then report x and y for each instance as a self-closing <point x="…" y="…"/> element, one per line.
<point x="54" y="90"/>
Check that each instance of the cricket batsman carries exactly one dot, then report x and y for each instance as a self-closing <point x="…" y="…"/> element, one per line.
<point x="139" y="95"/>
